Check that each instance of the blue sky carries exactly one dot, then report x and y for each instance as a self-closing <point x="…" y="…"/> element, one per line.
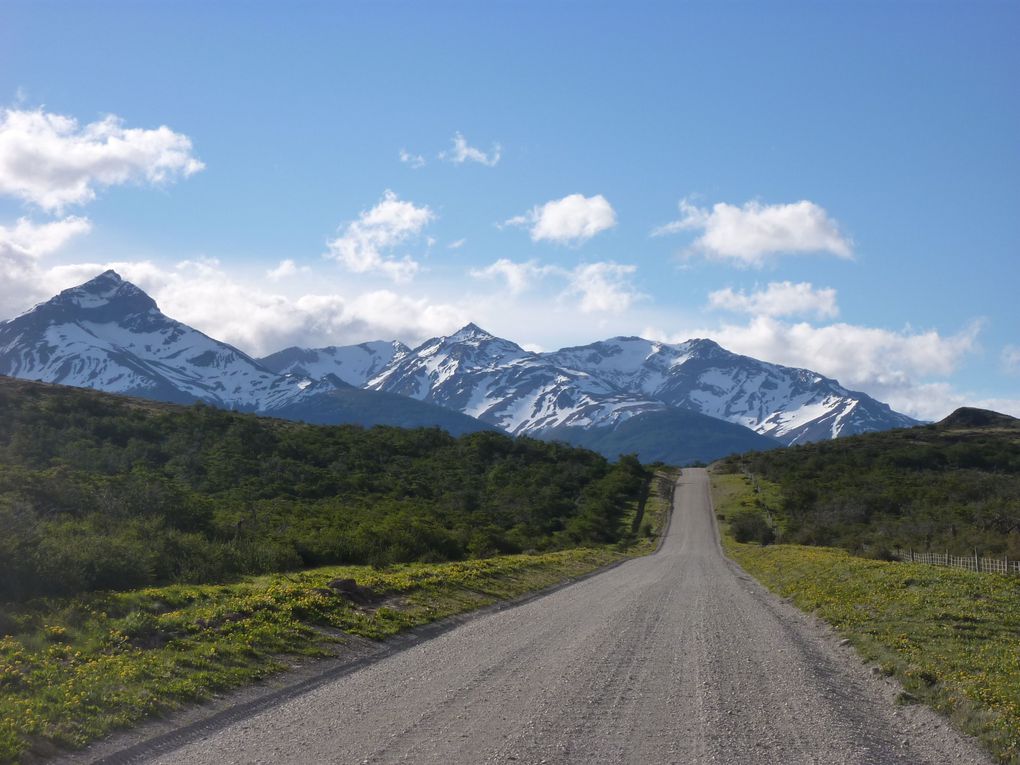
<point x="842" y="178"/>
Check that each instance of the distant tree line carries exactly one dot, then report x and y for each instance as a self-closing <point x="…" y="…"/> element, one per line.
<point x="99" y="492"/>
<point x="929" y="488"/>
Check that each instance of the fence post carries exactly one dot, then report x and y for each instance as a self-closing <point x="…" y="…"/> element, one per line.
<point x="977" y="561"/>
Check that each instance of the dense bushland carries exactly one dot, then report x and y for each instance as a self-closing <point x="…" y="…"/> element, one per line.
<point x="102" y="492"/>
<point x="952" y="486"/>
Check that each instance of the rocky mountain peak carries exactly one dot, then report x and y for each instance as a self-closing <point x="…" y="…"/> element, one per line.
<point x="702" y="347"/>
<point x="468" y="332"/>
<point x="105" y="298"/>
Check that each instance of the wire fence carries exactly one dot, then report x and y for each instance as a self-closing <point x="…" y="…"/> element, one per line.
<point x="971" y="562"/>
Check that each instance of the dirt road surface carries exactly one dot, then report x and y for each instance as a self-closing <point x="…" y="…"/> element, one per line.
<point x="673" y="658"/>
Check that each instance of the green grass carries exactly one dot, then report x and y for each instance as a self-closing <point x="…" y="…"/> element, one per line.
<point x="73" y="670"/>
<point x="77" y="669"/>
<point x="951" y="637"/>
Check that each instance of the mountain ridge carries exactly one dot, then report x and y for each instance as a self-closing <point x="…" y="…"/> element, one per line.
<point x="607" y="382"/>
<point x="109" y="335"/>
<point x="623" y="392"/>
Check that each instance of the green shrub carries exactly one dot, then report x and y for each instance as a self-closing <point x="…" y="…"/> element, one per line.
<point x="749" y="526"/>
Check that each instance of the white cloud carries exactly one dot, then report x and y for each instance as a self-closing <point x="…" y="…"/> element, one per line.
<point x="1010" y="358"/>
<point x="21" y="246"/>
<point x="779" y="299"/>
<point x="52" y="161"/>
<point x="462" y="153"/>
<point x="34" y="240"/>
<point x="889" y="365"/>
<point x="365" y="244"/>
<point x="519" y="277"/>
<point x="598" y="287"/>
<point x="603" y="287"/>
<point x="574" y="219"/>
<point x="285" y="269"/>
<point x="457" y="244"/>
<point x="203" y="295"/>
<point x="750" y="234"/>
<point x="414" y="161"/>
<point x="934" y="401"/>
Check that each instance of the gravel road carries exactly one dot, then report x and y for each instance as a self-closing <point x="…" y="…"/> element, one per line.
<point x="674" y="658"/>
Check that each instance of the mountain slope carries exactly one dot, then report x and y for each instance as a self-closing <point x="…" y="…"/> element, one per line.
<point x="109" y="335"/>
<point x="793" y="405"/>
<point x="499" y="382"/>
<point x="614" y="395"/>
<point x="354" y="364"/>
<point x="604" y="384"/>
<point x="673" y="436"/>
<point x="354" y="406"/>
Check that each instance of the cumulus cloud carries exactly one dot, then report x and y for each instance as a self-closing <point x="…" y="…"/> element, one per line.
<point x="259" y="321"/>
<point x="574" y="219"/>
<point x="519" y="277"/>
<point x="935" y="400"/>
<point x="21" y="247"/>
<point x="778" y="299"/>
<point x="52" y="161"/>
<point x="597" y="287"/>
<point x="603" y="287"/>
<point x="367" y="243"/>
<point x="463" y="152"/>
<point x="750" y="234"/>
<point x="285" y="269"/>
<point x="887" y="364"/>
<point x="414" y="161"/>
<point x="33" y="240"/>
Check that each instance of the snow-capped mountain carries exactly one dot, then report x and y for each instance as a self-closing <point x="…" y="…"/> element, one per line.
<point x="793" y="405"/>
<point x="605" y="383"/>
<point x="109" y="335"/>
<point x="354" y="364"/>
<point x="676" y="402"/>
<point x="499" y="382"/>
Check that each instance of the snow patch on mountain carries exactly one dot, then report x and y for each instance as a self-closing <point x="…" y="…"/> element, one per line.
<point x="109" y="335"/>
<point x="354" y="364"/>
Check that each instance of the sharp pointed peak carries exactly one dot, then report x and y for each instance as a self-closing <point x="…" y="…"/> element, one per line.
<point x="108" y="275"/>
<point x="470" y="331"/>
<point x="106" y="289"/>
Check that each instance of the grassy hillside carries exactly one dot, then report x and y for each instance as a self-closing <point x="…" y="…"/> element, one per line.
<point x="102" y="492"/>
<point x="951" y="486"/>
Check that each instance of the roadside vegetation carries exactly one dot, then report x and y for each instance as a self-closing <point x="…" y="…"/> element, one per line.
<point x="72" y="670"/>
<point x="100" y="492"/>
<point x="953" y="486"/>
<point x="951" y="637"/>
<point x="154" y="555"/>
